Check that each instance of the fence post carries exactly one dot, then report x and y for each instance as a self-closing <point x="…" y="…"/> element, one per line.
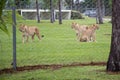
<point x="14" y="36"/>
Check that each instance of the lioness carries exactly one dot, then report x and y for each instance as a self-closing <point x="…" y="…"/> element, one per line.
<point x="89" y="34"/>
<point x="29" y="31"/>
<point x="78" y="29"/>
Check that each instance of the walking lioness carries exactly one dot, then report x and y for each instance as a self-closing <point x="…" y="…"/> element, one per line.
<point x="29" y="31"/>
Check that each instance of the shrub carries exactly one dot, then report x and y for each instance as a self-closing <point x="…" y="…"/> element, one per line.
<point x="76" y="15"/>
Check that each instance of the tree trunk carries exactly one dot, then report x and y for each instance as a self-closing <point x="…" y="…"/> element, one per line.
<point x="113" y="63"/>
<point x="38" y="15"/>
<point x="51" y="12"/>
<point x="71" y="4"/>
<point x="99" y="11"/>
<point x="60" y="13"/>
<point x="53" y="15"/>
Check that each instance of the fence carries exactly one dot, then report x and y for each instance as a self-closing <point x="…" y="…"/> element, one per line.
<point x="58" y="46"/>
<point x="44" y="14"/>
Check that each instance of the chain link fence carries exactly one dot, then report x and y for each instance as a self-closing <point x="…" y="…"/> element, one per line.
<point x="85" y="7"/>
<point x="54" y="48"/>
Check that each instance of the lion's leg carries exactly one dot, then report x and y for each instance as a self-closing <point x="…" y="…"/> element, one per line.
<point x="93" y="37"/>
<point x="23" y="38"/>
<point x="78" y="35"/>
<point x="38" y="35"/>
<point x="33" y="37"/>
<point x="27" y="38"/>
<point x="88" y="39"/>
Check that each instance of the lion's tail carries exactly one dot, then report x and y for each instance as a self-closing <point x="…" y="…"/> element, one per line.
<point x="38" y="33"/>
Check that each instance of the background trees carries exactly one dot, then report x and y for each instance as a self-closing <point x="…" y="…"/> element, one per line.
<point x="38" y="15"/>
<point x="3" y="26"/>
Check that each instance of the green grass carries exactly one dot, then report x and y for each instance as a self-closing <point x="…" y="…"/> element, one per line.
<point x="59" y="46"/>
<point x="73" y="73"/>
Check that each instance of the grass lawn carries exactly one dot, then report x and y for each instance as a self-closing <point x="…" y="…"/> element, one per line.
<point x="59" y="46"/>
<point x="73" y="73"/>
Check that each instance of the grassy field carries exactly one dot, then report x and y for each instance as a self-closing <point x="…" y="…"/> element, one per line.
<point x="59" y="46"/>
<point x="73" y="73"/>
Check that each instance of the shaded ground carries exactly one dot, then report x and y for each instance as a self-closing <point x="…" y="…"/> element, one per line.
<point x="51" y="66"/>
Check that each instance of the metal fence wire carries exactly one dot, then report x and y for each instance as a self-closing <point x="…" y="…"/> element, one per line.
<point x="53" y="51"/>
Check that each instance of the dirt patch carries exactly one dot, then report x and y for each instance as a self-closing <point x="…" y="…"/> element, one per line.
<point x="51" y="66"/>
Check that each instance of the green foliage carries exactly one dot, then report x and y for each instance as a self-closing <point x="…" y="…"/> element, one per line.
<point x="2" y="5"/>
<point x="46" y="4"/>
<point x="89" y="3"/>
<point x="3" y="26"/>
<point x="76" y="15"/>
<point x="21" y="3"/>
<point x="110" y="3"/>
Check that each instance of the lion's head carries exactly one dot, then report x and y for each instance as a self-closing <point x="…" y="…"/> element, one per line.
<point x="22" y="28"/>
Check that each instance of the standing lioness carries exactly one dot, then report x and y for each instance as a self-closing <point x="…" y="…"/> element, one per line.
<point x="78" y="29"/>
<point x="89" y="34"/>
<point x="29" y="31"/>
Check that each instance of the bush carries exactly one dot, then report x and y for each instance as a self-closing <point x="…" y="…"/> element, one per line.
<point x="76" y="15"/>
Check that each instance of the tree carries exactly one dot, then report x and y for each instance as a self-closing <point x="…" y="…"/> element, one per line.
<point x="38" y="15"/>
<point x="60" y="13"/>
<point x="99" y="4"/>
<point x="77" y="3"/>
<point x="113" y="63"/>
<point x="51" y="12"/>
<point x="70" y="4"/>
<point x="22" y="3"/>
<point x="3" y="26"/>
<point x="51" y="5"/>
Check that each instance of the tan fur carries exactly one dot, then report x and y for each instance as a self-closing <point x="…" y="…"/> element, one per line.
<point x="89" y="34"/>
<point x="29" y="31"/>
<point x="78" y="29"/>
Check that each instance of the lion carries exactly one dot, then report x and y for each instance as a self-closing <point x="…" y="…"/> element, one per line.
<point x="29" y="31"/>
<point x="89" y="34"/>
<point x="78" y="29"/>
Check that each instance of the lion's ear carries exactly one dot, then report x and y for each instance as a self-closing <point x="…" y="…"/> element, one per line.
<point x="22" y="25"/>
<point x="72" y="22"/>
<point x="75" y="23"/>
<point x="94" y="24"/>
<point x="25" y="27"/>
